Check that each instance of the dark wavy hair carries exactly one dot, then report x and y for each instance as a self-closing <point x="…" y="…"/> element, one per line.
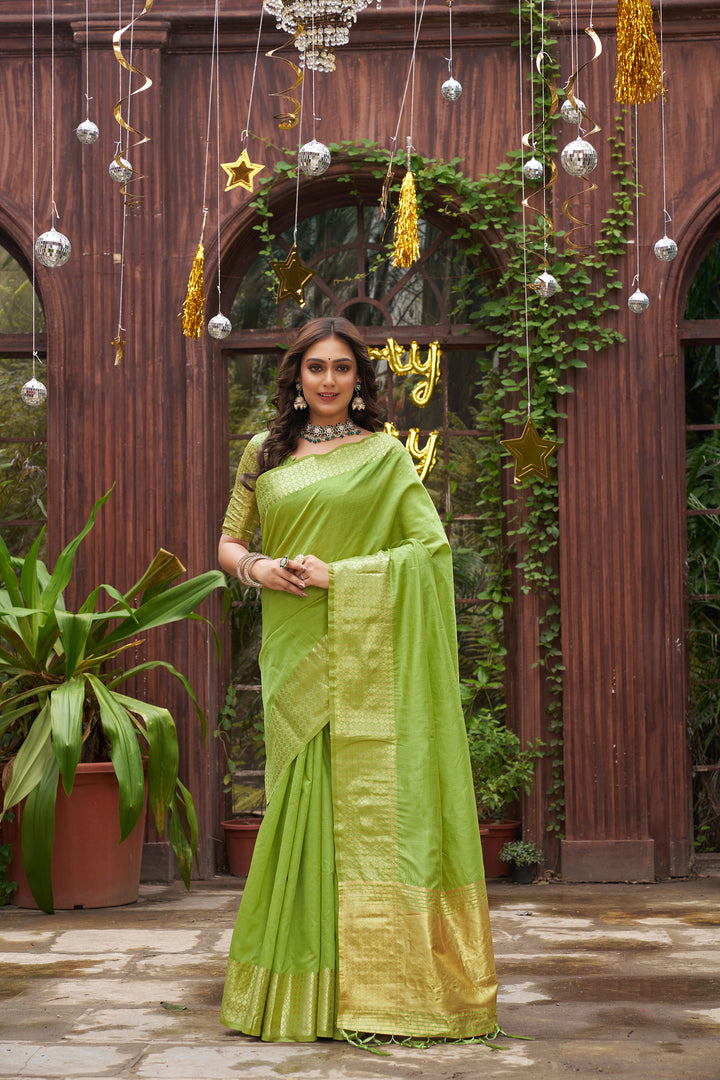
<point x="283" y="429"/>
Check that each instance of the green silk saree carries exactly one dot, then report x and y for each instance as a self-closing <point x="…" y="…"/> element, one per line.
<point x="365" y="907"/>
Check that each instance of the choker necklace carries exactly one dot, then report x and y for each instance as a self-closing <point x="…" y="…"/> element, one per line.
<point x="315" y="434"/>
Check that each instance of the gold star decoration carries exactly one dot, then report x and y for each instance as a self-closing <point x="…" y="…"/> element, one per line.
<point x="293" y="277"/>
<point x="241" y="172"/>
<point x="531" y="453"/>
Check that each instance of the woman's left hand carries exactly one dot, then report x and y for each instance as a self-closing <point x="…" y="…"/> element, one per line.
<point x="312" y="570"/>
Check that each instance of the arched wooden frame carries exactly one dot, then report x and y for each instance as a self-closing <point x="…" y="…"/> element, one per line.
<point x="329" y="193"/>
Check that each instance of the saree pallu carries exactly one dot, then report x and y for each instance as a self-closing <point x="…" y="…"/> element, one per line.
<point x="365" y="907"/>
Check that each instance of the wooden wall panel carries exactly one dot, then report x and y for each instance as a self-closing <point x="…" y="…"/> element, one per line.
<point x="155" y="425"/>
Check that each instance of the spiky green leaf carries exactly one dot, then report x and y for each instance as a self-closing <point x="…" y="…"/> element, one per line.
<point x="163" y="759"/>
<point x="125" y="755"/>
<point x="66" y="711"/>
<point x="38" y="836"/>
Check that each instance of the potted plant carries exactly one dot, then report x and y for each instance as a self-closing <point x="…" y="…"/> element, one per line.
<point x="63" y="717"/>
<point x="524" y="859"/>
<point x="502" y="770"/>
<point x="241" y="734"/>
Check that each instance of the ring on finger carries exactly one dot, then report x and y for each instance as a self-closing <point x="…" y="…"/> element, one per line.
<point x="300" y="559"/>
<point x="284" y="561"/>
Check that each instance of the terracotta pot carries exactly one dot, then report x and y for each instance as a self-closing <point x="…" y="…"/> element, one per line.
<point x="240" y="837"/>
<point x="498" y="834"/>
<point x="90" y="867"/>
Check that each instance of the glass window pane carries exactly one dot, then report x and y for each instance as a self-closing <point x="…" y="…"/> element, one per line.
<point x="703" y="299"/>
<point x="16" y="299"/>
<point x="23" y="493"/>
<point x="703" y="530"/>
<point x="702" y="386"/>
<point x="350" y="250"/>
<point x="17" y="418"/>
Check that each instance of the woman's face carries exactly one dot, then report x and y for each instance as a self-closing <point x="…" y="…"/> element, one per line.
<point x="328" y="374"/>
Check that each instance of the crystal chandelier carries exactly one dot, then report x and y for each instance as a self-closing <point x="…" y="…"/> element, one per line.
<point x="320" y="25"/>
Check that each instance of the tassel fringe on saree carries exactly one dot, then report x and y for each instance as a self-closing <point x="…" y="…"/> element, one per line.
<point x="365" y="908"/>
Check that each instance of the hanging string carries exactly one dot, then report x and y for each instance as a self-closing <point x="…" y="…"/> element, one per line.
<point x="394" y="139"/>
<point x="32" y="137"/>
<point x="118" y="341"/>
<point x="246" y="132"/>
<point x="216" y="57"/>
<point x="53" y="207"/>
<point x="412" y="83"/>
<point x="574" y="51"/>
<point x="666" y="216"/>
<point x="532" y="74"/>
<point x="87" y="60"/>
<point x="312" y="31"/>
<point x="130" y="75"/>
<point x="297" y="167"/>
<point x="524" y="207"/>
<point x="636" y="279"/>
<point x="450" y="58"/>
<point x="544" y="151"/>
<point x="213" y="60"/>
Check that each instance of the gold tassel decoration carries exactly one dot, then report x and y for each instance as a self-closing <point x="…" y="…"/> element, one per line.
<point x="638" y="78"/>
<point x="407" y="248"/>
<point x="192" y="312"/>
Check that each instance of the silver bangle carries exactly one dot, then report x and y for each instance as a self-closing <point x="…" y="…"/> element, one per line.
<point x="243" y="567"/>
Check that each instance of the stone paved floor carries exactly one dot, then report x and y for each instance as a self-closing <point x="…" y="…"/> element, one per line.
<point x="611" y="980"/>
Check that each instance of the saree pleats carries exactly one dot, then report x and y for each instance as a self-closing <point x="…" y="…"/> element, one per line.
<point x="280" y="983"/>
<point x="365" y="907"/>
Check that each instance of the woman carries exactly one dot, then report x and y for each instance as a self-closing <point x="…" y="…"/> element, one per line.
<point x="365" y="908"/>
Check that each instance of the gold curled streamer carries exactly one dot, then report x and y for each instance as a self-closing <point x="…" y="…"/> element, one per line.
<point x="133" y="202"/>
<point x="526" y="141"/>
<point x="574" y="78"/>
<point x="578" y="224"/>
<point x="425" y="457"/>
<point x="288" y="119"/>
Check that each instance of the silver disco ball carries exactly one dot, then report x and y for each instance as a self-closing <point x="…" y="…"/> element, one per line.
<point x="579" y="157"/>
<point x="451" y="89"/>
<point x="314" y="158"/>
<point x="34" y="392"/>
<point x="638" y="302"/>
<point x="665" y="249"/>
<point x="87" y="131"/>
<point x="52" y="248"/>
<point x="570" y="113"/>
<point x="219" y="326"/>
<point x="533" y="169"/>
<point x="545" y="284"/>
<point x="120" y="171"/>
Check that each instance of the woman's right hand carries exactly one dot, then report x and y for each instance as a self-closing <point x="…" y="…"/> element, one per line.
<point x="271" y="575"/>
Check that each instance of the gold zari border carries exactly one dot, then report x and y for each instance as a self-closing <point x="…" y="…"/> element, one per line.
<point x="430" y="970"/>
<point x="276" y="1007"/>
<point x="295" y="475"/>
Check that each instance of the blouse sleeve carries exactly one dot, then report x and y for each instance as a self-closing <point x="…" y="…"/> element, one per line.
<point x="242" y="517"/>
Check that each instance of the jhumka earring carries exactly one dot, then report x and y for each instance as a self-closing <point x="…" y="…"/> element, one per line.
<point x="357" y="402"/>
<point x="300" y="402"/>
